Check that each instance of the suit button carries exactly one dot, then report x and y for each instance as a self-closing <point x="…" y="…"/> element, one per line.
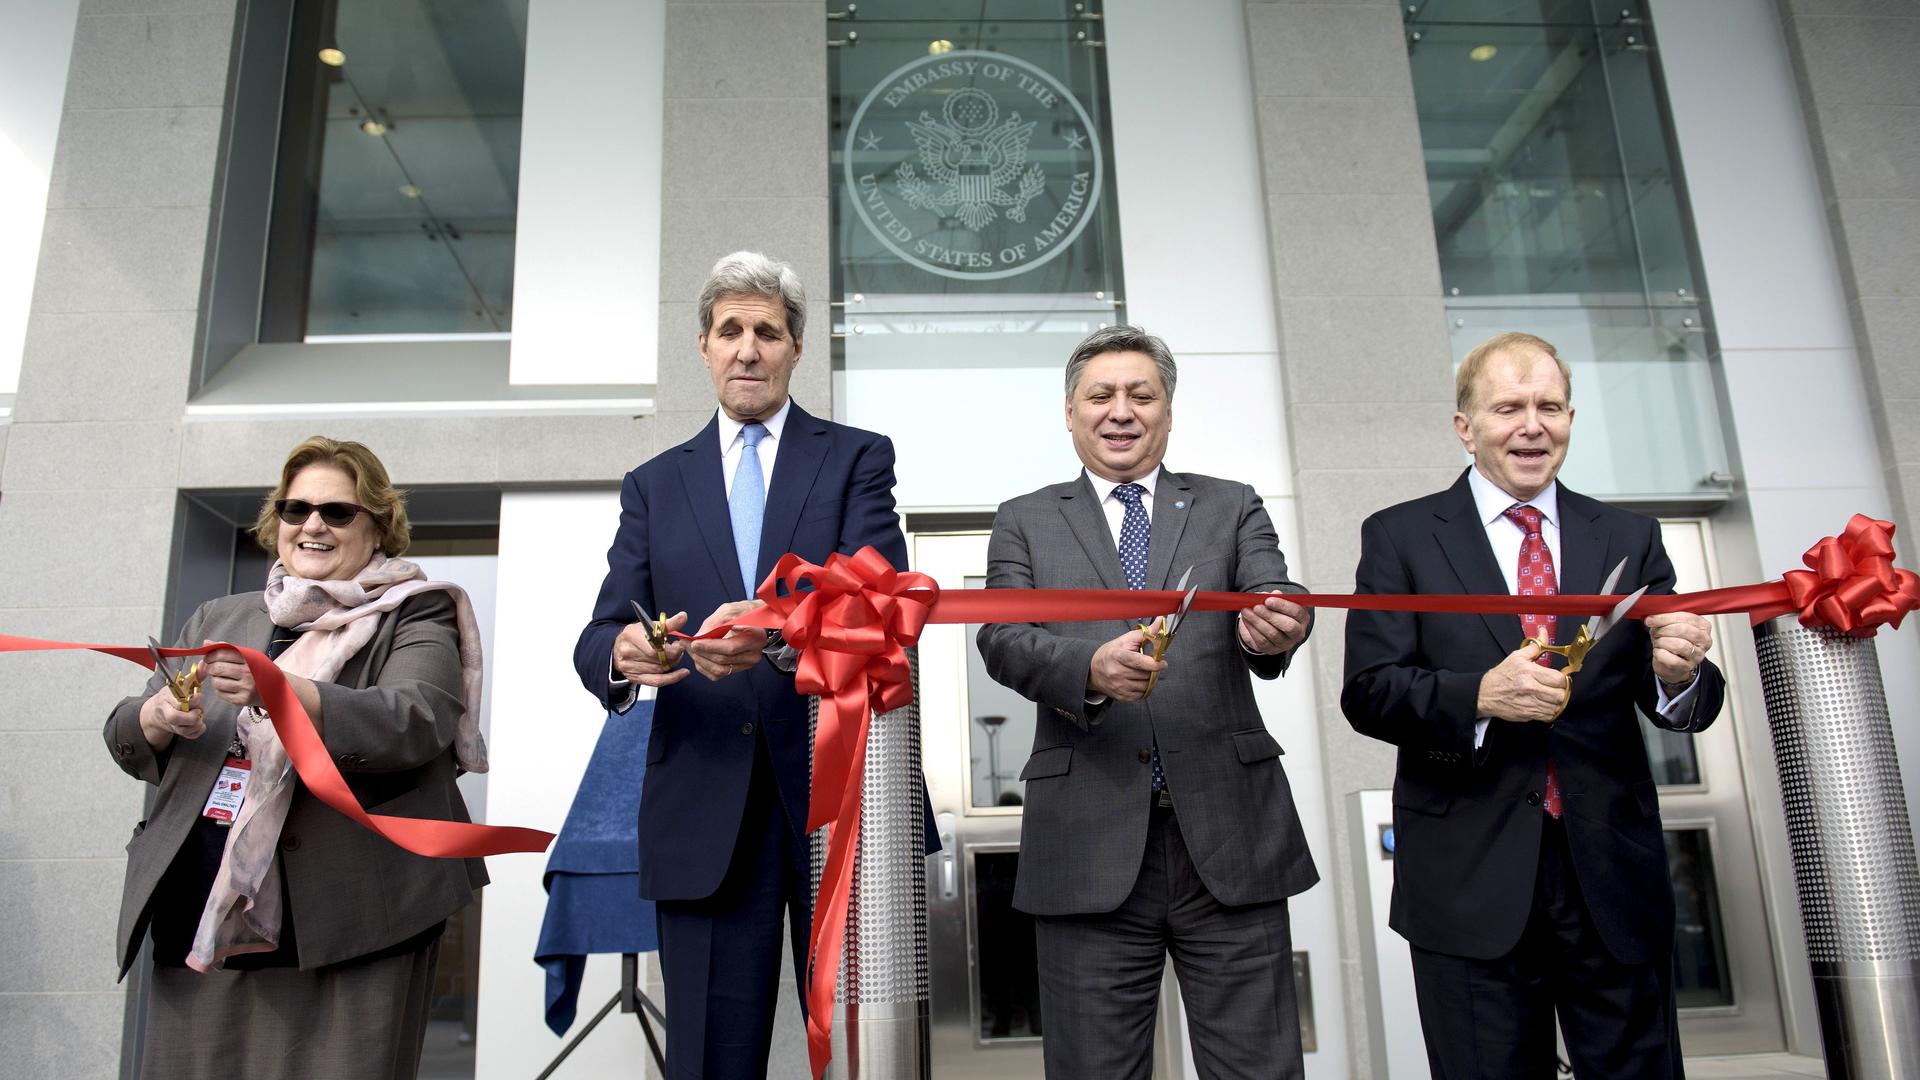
<point x="1533" y="798"/>
<point x="290" y="843"/>
<point x="126" y="749"/>
<point x="746" y="729"/>
<point x="1146" y="756"/>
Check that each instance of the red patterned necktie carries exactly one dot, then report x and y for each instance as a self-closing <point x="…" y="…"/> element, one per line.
<point x="1536" y="579"/>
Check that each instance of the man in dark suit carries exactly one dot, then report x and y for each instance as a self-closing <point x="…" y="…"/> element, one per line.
<point x="1530" y="875"/>
<point x="723" y="814"/>
<point x="1157" y="824"/>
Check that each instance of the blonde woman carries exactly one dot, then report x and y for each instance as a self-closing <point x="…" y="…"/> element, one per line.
<point x="287" y="940"/>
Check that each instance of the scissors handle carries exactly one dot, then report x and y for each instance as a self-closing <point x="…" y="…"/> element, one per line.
<point x="1161" y="639"/>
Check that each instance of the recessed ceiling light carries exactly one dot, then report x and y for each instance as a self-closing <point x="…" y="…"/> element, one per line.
<point x="1482" y="53"/>
<point x="332" y="57"/>
<point x="410" y="191"/>
<point x="373" y="127"/>
<point x="938" y="46"/>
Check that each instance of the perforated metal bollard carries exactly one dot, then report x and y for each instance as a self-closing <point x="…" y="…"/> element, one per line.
<point x="1853" y="855"/>
<point x="881" y="1023"/>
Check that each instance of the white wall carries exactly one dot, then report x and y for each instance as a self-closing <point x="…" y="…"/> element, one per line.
<point x="586" y="268"/>
<point x="552" y="557"/>
<point x="1793" y="379"/>
<point x="33" y="83"/>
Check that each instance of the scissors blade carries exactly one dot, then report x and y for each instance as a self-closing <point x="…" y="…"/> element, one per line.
<point x="1596" y="625"/>
<point x="1186" y="602"/>
<point x="159" y="662"/>
<point x="1612" y="618"/>
<point x="641" y="612"/>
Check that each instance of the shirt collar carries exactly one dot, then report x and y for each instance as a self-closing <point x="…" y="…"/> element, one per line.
<point x="730" y="428"/>
<point x="1491" y="502"/>
<point x="1103" y="487"/>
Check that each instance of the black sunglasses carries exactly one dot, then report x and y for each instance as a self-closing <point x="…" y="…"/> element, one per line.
<point x="336" y="514"/>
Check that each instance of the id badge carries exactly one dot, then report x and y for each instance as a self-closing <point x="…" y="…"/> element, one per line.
<point x="229" y="791"/>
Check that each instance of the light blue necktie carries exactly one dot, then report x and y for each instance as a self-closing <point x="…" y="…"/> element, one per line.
<point x="747" y="503"/>
<point x="1136" y="531"/>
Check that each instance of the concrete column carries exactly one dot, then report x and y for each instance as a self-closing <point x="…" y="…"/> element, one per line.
<point x="1860" y="91"/>
<point x="744" y="165"/>
<point x="1364" y="355"/>
<point x="86" y="525"/>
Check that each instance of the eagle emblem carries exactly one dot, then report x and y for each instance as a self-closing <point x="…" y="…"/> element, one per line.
<point x="973" y="156"/>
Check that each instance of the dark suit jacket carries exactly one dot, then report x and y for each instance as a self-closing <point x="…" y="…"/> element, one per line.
<point x="1089" y="779"/>
<point x="831" y="490"/>
<point x="389" y="721"/>
<point x="1467" y="824"/>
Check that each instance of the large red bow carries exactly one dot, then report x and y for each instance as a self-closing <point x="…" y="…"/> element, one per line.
<point x="852" y="621"/>
<point x="1853" y="585"/>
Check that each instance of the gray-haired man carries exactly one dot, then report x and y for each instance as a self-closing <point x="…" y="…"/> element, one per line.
<point x="1157" y="825"/>
<point x="723" y="813"/>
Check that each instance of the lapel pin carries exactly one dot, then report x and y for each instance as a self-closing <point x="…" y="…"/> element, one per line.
<point x="1180" y="506"/>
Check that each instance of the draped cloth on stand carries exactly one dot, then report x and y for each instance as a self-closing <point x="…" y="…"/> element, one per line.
<point x="593" y="872"/>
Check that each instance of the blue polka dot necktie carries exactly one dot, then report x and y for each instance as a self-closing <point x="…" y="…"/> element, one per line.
<point x="1136" y="531"/>
<point x="747" y="504"/>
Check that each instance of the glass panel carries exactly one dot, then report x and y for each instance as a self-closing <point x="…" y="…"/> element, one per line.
<point x="415" y="174"/>
<point x="1672" y="755"/>
<point x="1000" y="729"/>
<point x="1009" y="984"/>
<point x="972" y="178"/>
<point x="1636" y="371"/>
<point x="1558" y="210"/>
<point x="1700" y="948"/>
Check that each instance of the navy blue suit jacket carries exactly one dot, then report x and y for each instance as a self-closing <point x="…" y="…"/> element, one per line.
<point x="1467" y="822"/>
<point x="832" y="490"/>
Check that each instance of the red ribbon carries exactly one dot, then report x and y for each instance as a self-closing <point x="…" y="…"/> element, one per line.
<point x="856" y="615"/>
<point x="422" y="836"/>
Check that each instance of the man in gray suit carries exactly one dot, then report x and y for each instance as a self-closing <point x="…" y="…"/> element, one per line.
<point x="1156" y="824"/>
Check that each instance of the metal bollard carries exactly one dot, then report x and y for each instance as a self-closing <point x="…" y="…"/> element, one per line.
<point x="1853" y="855"/>
<point x="881" y="1024"/>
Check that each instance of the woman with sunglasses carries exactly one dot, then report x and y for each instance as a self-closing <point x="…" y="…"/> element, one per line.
<point x="287" y="940"/>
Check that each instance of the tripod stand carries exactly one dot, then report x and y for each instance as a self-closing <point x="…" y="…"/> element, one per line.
<point x="630" y="1000"/>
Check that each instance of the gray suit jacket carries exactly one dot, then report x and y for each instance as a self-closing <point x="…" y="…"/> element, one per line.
<point x="1089" y="779"/>
<point x="389" y="722"/>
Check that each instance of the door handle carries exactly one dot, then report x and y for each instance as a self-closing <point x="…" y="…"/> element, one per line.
<point x="947" y="824"/>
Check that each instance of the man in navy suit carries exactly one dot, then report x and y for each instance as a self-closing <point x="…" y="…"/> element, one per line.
<point x="1530" y="875"/>
<point x="723" y="848"/>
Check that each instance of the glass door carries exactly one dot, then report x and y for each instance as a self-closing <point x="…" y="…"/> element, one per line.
<point x="1724" y="959"/>
<point x="975" y="734"/>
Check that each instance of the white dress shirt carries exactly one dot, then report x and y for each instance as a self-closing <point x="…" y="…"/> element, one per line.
<point x="1505" y="537"/>
<point x="732" y="443"/>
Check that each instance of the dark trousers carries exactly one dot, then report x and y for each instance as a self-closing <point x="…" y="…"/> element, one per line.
<point x="1100" y="976"/>
<point x="720" y="956"/>
<point x="1493" y="1019"/>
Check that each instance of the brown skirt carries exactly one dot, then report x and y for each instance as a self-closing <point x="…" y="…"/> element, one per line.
<point x="356" y="1020"/>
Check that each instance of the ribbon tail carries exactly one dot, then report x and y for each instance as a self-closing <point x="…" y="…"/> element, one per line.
<point x="830" y="907"/>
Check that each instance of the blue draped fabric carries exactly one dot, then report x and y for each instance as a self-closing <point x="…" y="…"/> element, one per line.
<point x="592" y="879"/>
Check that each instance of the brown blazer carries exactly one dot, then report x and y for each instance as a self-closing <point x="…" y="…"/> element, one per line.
<point x="389" y="722"/>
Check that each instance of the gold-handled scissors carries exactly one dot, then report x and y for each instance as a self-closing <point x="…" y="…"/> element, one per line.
<point x="1590" y="634"/>
<point x="656" y="631"/>
<point x="1163" y="637"/>
<point x="183" y="683"/>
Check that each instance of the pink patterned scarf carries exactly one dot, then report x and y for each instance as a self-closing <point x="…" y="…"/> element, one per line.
<point x="337" y="619"/>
